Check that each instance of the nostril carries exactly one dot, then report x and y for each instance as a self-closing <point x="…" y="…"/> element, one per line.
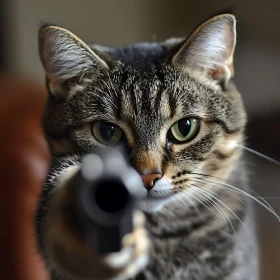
<point x="150" y="179"/>
<point x="155" y="180"/>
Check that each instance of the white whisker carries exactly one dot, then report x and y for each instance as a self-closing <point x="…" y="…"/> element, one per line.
<point x="193" y="204"/>
<point x="271" y="197"/>
<point x="269" y="208"/>
<point x="228" y="189"/>
<point x="238" y="191"/>
<point x="207" y="192"/>
<point x="212" y="202"/>
<point x="215" y="184"/>
<point x="169" y="211"/>
<point x="233" y="144"/>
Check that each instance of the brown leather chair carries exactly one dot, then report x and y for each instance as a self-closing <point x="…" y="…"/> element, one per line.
<point x="24" y="162"/>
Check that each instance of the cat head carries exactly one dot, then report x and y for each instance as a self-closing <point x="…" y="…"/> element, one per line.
<point x="172" y="105"/>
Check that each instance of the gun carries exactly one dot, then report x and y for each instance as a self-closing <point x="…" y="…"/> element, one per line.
<point x="105" y="196"/>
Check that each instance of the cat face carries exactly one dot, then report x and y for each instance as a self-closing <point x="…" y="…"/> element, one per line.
<point x="171" y="106"/>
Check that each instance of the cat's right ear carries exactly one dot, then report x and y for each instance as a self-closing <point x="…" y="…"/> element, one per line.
<point x="66" y="57"/>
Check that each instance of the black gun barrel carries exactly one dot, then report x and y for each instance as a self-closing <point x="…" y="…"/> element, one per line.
<point x="105" y="194"/>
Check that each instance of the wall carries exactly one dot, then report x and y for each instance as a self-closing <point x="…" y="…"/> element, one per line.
<point x="125" y="21"/>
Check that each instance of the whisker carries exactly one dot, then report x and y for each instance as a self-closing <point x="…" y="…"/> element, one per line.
<point x="208" y="175"/>
<point x="212" y="203"/>
<point x="195" y="207"/>
<point x="269" y="208"/>
<point x="232" y="227"/>
<point x="186" y="196"/>
<point x="198" y="180"/>
<point x="185" y="203"/>
<point x="169" y="211"/>
<point x="239" y="191"/>
<point x="207" y="192"/>
<point x="258" y="154"/>
<point x="257" y="195"/>
<point x="271" y="197"/>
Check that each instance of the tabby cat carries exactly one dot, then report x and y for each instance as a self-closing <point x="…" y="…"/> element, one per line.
<point x="174" y="108"/>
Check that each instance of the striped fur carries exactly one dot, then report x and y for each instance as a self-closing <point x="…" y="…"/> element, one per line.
<point x="144" y="89"/>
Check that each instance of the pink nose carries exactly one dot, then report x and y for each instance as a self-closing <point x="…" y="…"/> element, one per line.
<point x="150" y="179"/>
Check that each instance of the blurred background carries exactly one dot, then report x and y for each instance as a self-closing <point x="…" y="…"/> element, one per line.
<point x="257" y="61"/>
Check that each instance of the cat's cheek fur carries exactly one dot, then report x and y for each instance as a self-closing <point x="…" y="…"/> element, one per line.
<point x="224" y="156"/>
<point x="65" y="249"/>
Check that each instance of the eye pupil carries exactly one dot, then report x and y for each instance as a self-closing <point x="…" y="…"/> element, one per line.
<point x="107" y="131"/>
<point x="184" y="127"/>
<point x="183" y="130"/>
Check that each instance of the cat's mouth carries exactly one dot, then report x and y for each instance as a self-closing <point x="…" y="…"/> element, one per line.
<point x="161" y="191"/>
<point x="154" y="200"/>
<point x="158" y="195"/>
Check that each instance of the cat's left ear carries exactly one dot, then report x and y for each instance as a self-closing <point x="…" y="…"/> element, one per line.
<point x="210" y="48"/>
<point x="66" y="58"/>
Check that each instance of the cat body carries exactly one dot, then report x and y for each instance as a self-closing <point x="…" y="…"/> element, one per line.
<point x="174" y="108"/>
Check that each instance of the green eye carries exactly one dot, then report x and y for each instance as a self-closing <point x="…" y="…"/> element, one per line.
<point x="183" y="130"/>
<point x="107" y="133"/>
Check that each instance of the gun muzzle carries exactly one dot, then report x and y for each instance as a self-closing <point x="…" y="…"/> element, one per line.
<point x="105" y="196"/>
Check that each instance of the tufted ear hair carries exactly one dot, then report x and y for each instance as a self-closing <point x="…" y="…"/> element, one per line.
<point x="210" y="48"/>
<point x="65" y="57"/>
